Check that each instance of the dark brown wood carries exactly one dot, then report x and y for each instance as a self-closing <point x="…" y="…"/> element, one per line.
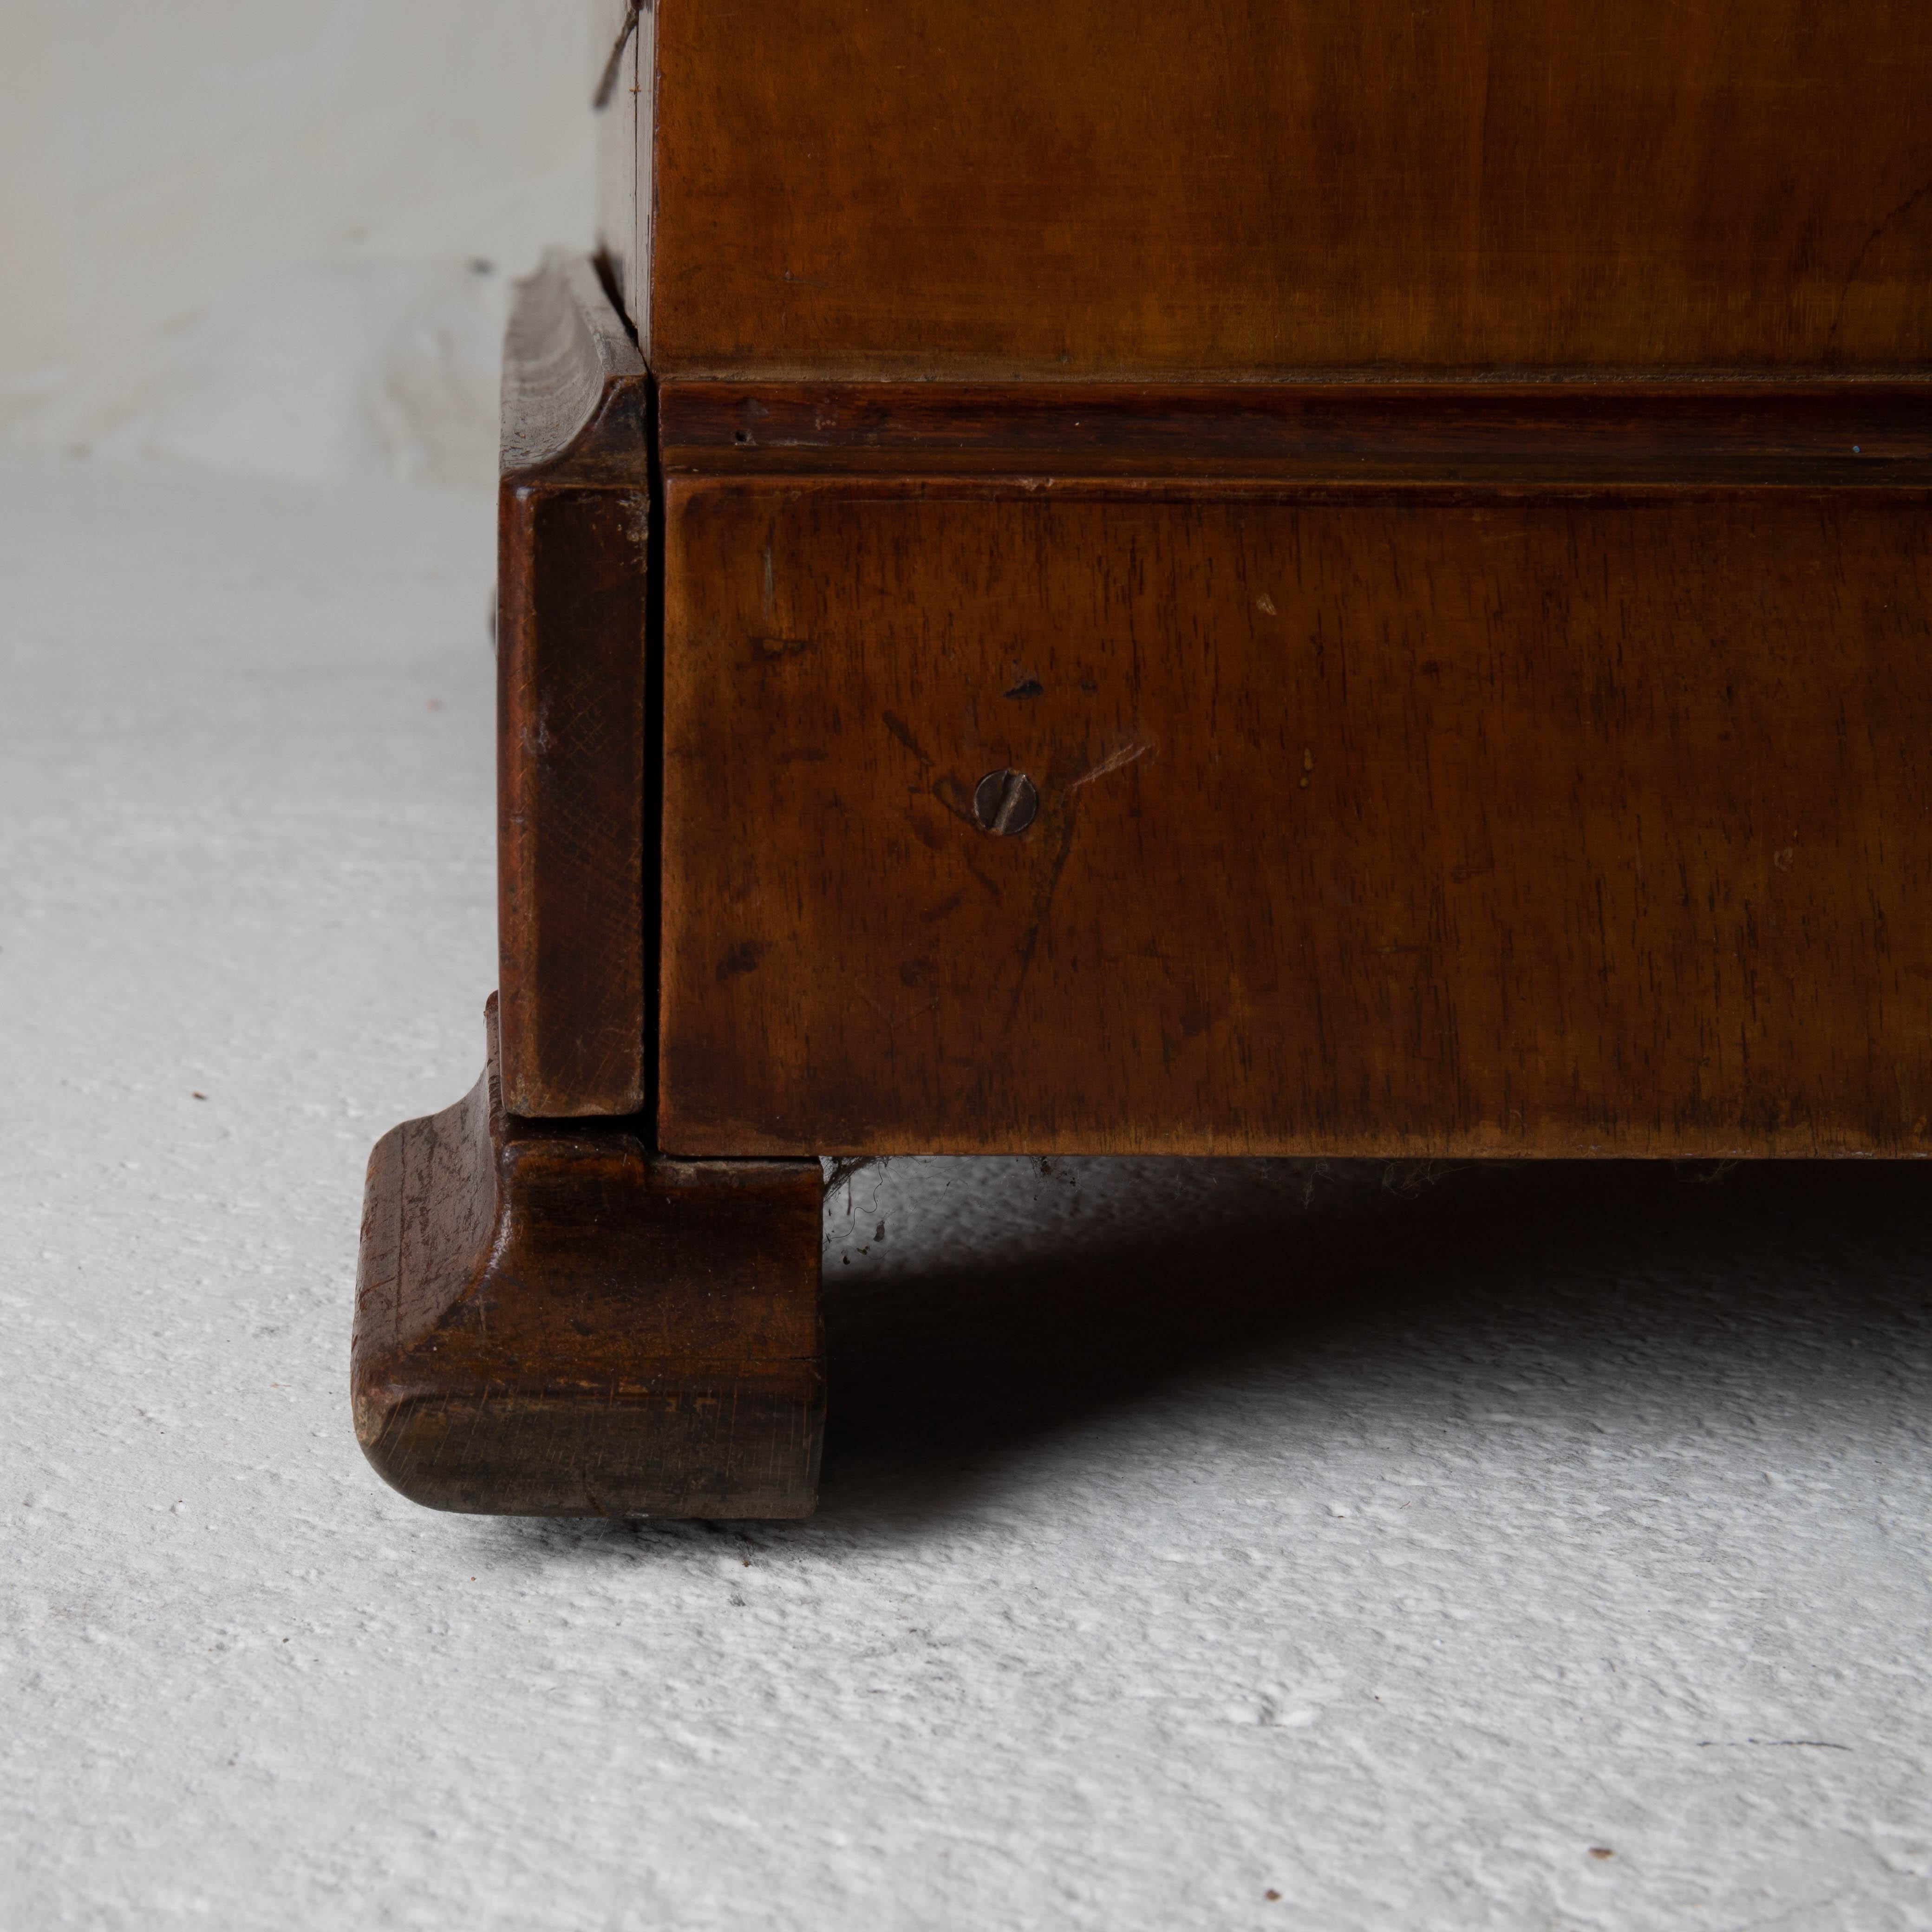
<point x="1851" y="432"/>
<point x="573" y="923"/>
<point x="1267" y="578"/>
<point x="550" y="1320"/>
<point x="1130" y="188"/>
<point x="1594" y="824"/>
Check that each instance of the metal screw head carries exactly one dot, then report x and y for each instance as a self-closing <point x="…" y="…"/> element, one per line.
<point x="1005" y="802"/>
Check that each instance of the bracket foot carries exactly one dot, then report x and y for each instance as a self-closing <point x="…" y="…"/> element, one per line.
<point x="552" y="1320"/>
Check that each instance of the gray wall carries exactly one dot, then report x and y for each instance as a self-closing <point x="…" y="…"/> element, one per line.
<point x="243" y="233"/>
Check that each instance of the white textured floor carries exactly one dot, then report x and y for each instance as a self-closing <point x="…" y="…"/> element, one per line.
<point x="1212" y="1545"/>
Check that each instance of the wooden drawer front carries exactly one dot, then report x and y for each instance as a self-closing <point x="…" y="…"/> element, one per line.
<point x="1408" y="826"/>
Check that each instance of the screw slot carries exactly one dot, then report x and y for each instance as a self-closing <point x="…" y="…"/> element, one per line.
<point x="1005" y="802"/>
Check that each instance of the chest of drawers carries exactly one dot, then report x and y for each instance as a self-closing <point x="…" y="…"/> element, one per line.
<point x="1182" y="579"/>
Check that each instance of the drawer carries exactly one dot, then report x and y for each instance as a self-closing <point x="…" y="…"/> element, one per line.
<point x="1587" y="825"/>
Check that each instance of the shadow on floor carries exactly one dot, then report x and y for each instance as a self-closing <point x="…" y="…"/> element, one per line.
<point x="936" y="1378"/>
<point x="1783" y="1278"/>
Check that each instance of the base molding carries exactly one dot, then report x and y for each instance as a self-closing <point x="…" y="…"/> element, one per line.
<point x="552" y="1320"/>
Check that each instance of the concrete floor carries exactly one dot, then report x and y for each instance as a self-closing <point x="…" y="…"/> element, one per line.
<point x="1204" y="1544"/>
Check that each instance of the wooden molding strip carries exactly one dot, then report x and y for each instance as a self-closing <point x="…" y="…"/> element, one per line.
<point x="1853" y="432"/>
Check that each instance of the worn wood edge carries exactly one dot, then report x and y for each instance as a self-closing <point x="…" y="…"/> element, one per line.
<point x="1842" y="431"/>
<point x="497" y="1368"/>
<point x="951" y="486"/>
<point x="691" y="1128"/>
<point x="576" y="959"/>
<point x="575" y="389"/>
<point x="916" y="368"/>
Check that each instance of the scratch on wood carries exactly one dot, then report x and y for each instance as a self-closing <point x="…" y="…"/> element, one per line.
<point x="1897" y="215"/>
<point x="892" y="1025"/>
<point x="1043" y="905"/>
<point x="898" y="727"/>
<point x="1119" y="759"/>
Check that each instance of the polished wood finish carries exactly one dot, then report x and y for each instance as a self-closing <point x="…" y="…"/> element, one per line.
<point x="1132" y="188"/>
<point x="1231" y="577"/>
<point x="1368" y="825"/>
<point x="574" y="856"/>
<point x="1851" y="432"/>
<point x="550" y="1320"/>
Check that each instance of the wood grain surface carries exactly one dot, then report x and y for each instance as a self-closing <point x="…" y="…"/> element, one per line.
<point x="551" y="1321"/>
<point x="1127" y="188"/>
<point x="1853" y="431"/>
<point x="1403" y="824"/>
<point x="575" y="862"/>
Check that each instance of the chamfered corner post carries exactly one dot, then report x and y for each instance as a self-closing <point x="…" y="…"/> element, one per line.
<point x="552" y="1317"/>
<point x="574" y="923"/>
